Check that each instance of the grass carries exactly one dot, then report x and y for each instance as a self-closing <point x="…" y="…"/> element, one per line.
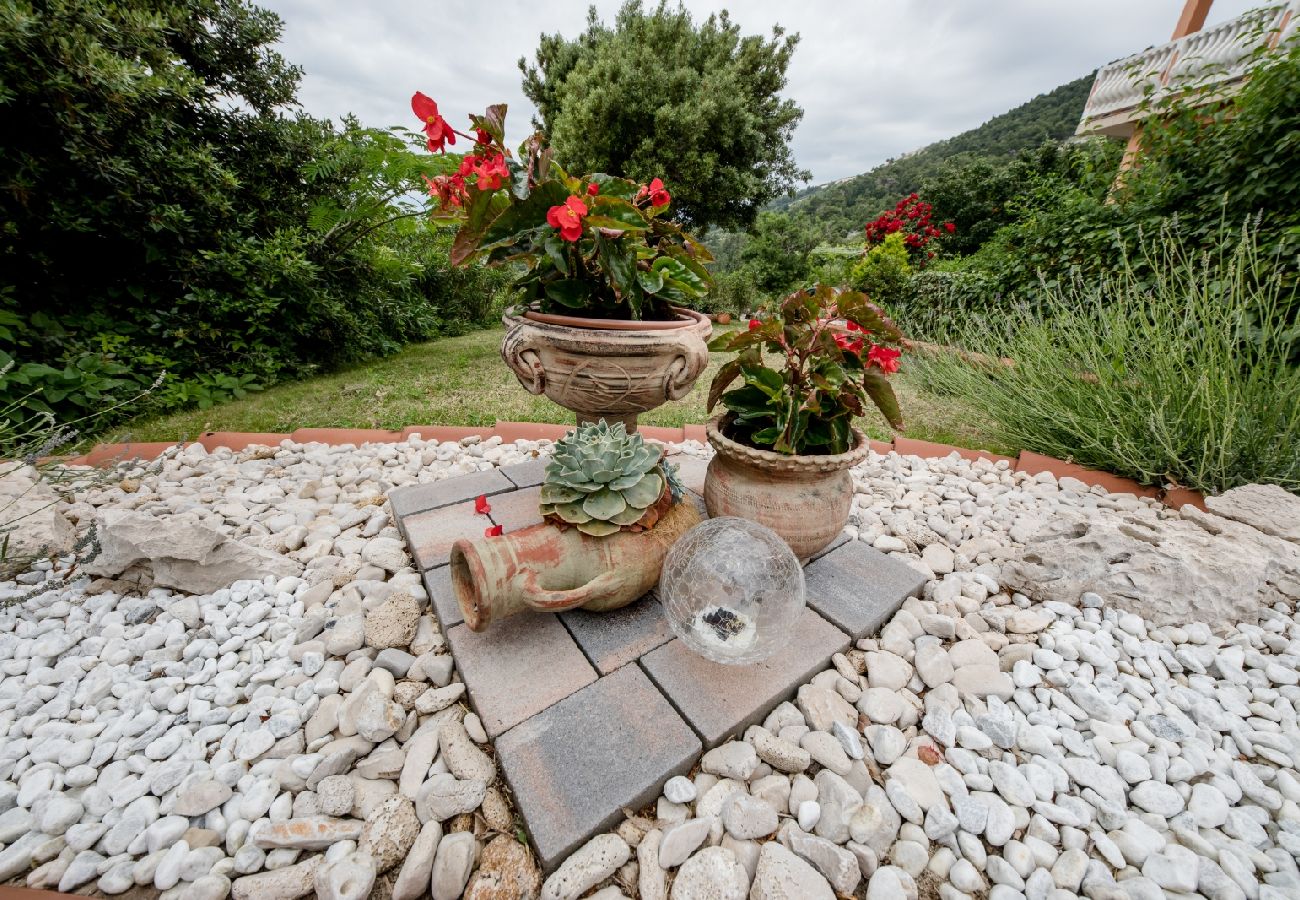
<point x="462" y="381"/>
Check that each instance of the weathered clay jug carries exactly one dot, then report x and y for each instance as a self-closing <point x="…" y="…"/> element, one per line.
<point x="550" y="569"/>
<point x="805" y="499"/>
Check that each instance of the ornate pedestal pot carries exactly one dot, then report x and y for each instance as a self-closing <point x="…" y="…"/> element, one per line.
<point x="805" y="499"/>
<point x="608" y="369"/>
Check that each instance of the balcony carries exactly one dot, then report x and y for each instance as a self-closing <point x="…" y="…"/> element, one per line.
<point x="1217" y="58"/>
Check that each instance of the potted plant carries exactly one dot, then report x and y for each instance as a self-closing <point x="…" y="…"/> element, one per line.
<point x="603" y="330"/>
<point x="611" y="507"/>
<point x="786" y="441"/>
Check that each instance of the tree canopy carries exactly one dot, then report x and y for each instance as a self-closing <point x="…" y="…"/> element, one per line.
<point x="659" y="95"/>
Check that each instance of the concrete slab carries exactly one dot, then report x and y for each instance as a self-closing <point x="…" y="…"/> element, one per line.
<point x="858" y="588"/>
<point x="518" y="667"/>
<point x="429" y="535"/>
<point x="616" y="638"/>
<point x="516" y="509"/>
<point x="438" y="583"/>
<point x="576" y="766"/>
<point x="690" y="469"/>
<point x="527" y="474"/>
<point x="415" y="498"/>
<point x="718" y="701"/>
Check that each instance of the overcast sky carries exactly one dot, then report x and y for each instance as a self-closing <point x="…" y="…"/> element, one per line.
<point x="875" y="78"/>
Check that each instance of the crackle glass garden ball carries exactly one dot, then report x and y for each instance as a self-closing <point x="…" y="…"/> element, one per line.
<point x="732" y="590"/>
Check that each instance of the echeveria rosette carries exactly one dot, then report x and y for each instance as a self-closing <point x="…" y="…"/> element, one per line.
<point x="833" y="354"/>
<point x="596" y="246"/>
<point x="602" y="480"/>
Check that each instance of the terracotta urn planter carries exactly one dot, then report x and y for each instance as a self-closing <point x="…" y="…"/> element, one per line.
<point x="724" y="318"/>
<point x="551" y="569"/>
<point x="805" y="499"/>
<point x="605" y="368"/>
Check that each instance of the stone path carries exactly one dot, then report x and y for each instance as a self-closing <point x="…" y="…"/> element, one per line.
<point x="591" y="713"/>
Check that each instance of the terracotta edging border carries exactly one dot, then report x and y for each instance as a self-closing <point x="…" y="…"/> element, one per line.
<point x="1027" y="461"/>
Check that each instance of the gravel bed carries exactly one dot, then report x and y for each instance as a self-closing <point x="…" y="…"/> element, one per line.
<point x="305" y="732"/>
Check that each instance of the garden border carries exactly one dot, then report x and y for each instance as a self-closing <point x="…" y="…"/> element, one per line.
<point x="509" y="432"/>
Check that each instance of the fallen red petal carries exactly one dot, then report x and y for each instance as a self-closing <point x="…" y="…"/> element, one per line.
<point x="481" y="505"/>
<point x="494" y="531"/>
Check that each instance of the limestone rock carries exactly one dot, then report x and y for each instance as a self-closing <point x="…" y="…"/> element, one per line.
<point x="389" y="833"/>
<point x="452" y="865"/>
<point x="506" y="871"/>
<point x="1200" y="568"/>
<point x="178" y="552"/>
<point x="31" y="516"/>
<point x="587" y="867"/>
<point x="713" y="873"/>
<point x="783" y="876"/>
<point x="1264" y="507"/>
<point x="314" y="833"/>
<point x="393" y="622"/>
<point x="348" y="878"/>
<point x="286" y="883"/>
<point x="413" y="878"/>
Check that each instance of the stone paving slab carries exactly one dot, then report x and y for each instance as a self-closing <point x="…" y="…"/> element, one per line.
<point x="518" y="667"/>
<point x="719" y="701"/>
<point x="527" y="474"/>
<point x="690" y="469"/>
<point x="858" y="588"/>
<point x="576" y="766"/>
<point x="430" y="534"/>
<point x="516" y="509"/>
<point x="416" y="498"/>
<point x="616" y="638"/>
<point x="438" y="583"/>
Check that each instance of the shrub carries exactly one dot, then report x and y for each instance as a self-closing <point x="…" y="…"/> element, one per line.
<point x="884" y="270"/>
<point x="935" y="305"/>
<point x="1181" y="378"/>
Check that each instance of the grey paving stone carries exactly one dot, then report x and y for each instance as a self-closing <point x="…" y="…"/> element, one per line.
<point x="527" y="474"/>
<point x="858" y="588"/>
<point x="416" y="498"/>
<point x="840" y="540"/>
<point x="516" y="509"/>
<point x="429" y="535"/>
<point x="438" y="583"/>
<point x="576" y="766"/>
<point x="616" y="638"/>
<point x="719" y="700"/>
<point x="518" y="667"/>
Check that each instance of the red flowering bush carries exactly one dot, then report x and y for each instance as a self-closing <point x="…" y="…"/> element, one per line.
<point x="596" y="246"/>
<point x="910" y="217"/>
<point x="835" y="351"/>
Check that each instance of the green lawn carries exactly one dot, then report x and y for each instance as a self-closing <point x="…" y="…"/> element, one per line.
<point x="462" y="381"/>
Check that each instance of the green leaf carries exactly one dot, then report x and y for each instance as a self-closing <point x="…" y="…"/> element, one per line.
<point x="646" y="491"/>
<point x="767" y="380"/>
<point x="569" y="292"/>
<point x="651" y="282"/>
<point x="854" y="306"/>
<point x="726" y="375"/>
<point x="604" y="503"/>
<point x="881" y="393"/>
<point x="613" y="212"/>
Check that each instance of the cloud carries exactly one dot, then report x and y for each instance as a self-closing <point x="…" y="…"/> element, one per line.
<point x="875" y="79"/>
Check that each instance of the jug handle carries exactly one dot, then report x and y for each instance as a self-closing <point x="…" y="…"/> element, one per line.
<point x="558" y="601"/>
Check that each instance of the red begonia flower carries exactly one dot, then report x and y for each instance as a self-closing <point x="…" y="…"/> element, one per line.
<point x="435" y="126"/>
<point x="567" y="218"/>
<point x="884" y="357"/>
<point x="491" y="171"/>
<point x="482" y="136"/>
<point x="593" y="189"/>
<point x="481" y="505"/>
<point x="755" y="323"/>
<point x="949" y="227"/>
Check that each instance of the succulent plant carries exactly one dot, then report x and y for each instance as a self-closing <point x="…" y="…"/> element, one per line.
<point x="602" y="479"/>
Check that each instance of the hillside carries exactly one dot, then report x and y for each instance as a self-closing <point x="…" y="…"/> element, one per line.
<point x="843" y="206"/>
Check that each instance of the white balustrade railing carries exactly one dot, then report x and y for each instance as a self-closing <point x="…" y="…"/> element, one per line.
<point x="1221" y="55"/>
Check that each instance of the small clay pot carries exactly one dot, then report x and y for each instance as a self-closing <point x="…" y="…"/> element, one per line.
<point x="724" y="318"/>
<point x="552" y="569"/>
<point x="604" y="368"/>
<point x="805" y="499"/>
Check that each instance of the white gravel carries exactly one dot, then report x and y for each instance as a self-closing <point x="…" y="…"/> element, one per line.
<point x="982" y="745"/>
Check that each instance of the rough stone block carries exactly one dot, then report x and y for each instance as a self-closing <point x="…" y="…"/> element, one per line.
<point x="719" y="700"/>
<point x="416" y="498"/>
<point x="576" y="766"/>
<point x="516" y="509"/>
<point x="616" y="638"/>
<point x="527" y="474"/>
<point x="840" y="540"/>
<point x="429" y="535"/>
<point x="438" y="583"/>
<point x="858" y="588"/>
<point x="518" y="667"/>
